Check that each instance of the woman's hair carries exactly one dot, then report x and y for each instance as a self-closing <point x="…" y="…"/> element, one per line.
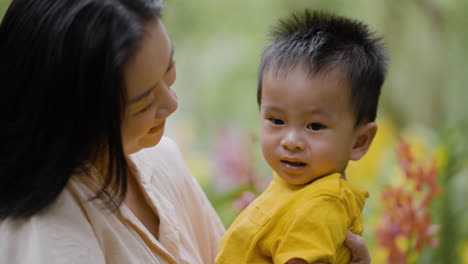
<point x="63" y="95"/>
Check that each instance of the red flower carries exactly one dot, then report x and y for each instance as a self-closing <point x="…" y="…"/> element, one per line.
<point x="406" y="215"/>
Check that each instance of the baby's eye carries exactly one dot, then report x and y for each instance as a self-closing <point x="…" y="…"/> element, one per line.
<point x="316" y="126"/>
<point x="276" y="121"/>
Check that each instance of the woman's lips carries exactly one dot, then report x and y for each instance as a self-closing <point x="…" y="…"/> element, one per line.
<point x="157" y="128"/>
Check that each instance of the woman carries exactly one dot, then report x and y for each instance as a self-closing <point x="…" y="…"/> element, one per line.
<point x="86" y="88"/>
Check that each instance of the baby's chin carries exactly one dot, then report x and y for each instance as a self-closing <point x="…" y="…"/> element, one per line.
<point x="297" y="179"/>
<point x="301" y="179"/>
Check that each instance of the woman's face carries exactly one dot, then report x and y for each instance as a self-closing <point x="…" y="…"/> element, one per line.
<point x="148" y="77"/>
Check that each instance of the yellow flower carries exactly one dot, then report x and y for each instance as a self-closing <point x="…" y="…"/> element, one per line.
<point x="463" y="251"/>
<point x="364" y="170"/>
<point x="402" y="243"/>
<point x="379" y="255"/>
<point x="441" y="156"/>
<point x="200" y="169"/>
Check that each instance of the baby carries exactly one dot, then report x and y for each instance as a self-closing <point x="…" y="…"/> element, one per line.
<point x="318" y="90"/>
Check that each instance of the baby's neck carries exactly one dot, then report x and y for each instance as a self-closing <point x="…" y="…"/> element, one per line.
<point x="343" y="176"/>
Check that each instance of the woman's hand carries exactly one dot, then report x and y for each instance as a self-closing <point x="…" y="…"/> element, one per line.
<point x="359" y="251"/>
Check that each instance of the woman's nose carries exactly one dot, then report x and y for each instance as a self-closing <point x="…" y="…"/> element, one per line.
<point x="168" y="105"/>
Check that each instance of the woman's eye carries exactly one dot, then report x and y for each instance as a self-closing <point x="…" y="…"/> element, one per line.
<point x="170" y="75"/>
<point x="146" y="109"/>
<point x="171" y="66"/>
<point x="276" y="121"/>
<point x="315" y="126"/>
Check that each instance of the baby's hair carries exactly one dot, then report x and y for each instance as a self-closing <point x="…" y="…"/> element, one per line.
<point x="322" y="42"/>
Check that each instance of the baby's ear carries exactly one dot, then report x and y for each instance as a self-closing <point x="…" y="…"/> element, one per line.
<point x="364" y="136"/>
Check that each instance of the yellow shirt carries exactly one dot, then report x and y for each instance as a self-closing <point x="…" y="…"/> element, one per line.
<point x="289" y="221"/>
<point x="76" y="230"/>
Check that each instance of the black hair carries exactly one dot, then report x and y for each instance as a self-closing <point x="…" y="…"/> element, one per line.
<point x="63" y="95"/>
<point x="322" y="41"/>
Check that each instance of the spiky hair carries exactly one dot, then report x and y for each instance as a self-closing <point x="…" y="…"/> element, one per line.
<point x="322" y="41"/>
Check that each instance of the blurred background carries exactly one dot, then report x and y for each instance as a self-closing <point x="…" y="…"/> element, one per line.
<point x="417" y="168"/>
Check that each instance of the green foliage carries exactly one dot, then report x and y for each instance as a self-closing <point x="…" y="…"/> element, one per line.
<point x="451" y="210"/>
<point x="218" y="45"/>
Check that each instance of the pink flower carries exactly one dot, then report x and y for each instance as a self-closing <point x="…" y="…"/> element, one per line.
<point x="243" y="201"/>
<point x="233" y="162"/>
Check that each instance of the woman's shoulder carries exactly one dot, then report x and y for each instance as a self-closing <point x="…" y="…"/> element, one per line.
<point x="58" y="234"/>
<point x="164" y="159"/>
<point x="165" y="150"/>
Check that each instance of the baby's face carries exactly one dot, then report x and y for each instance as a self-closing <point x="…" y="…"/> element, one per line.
<point x="307" y="124"/>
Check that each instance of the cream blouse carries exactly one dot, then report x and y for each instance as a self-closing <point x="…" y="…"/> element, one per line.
<point x="76" y="230"/>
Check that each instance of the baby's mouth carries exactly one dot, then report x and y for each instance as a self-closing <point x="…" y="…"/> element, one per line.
<point x="294" y="163"/>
